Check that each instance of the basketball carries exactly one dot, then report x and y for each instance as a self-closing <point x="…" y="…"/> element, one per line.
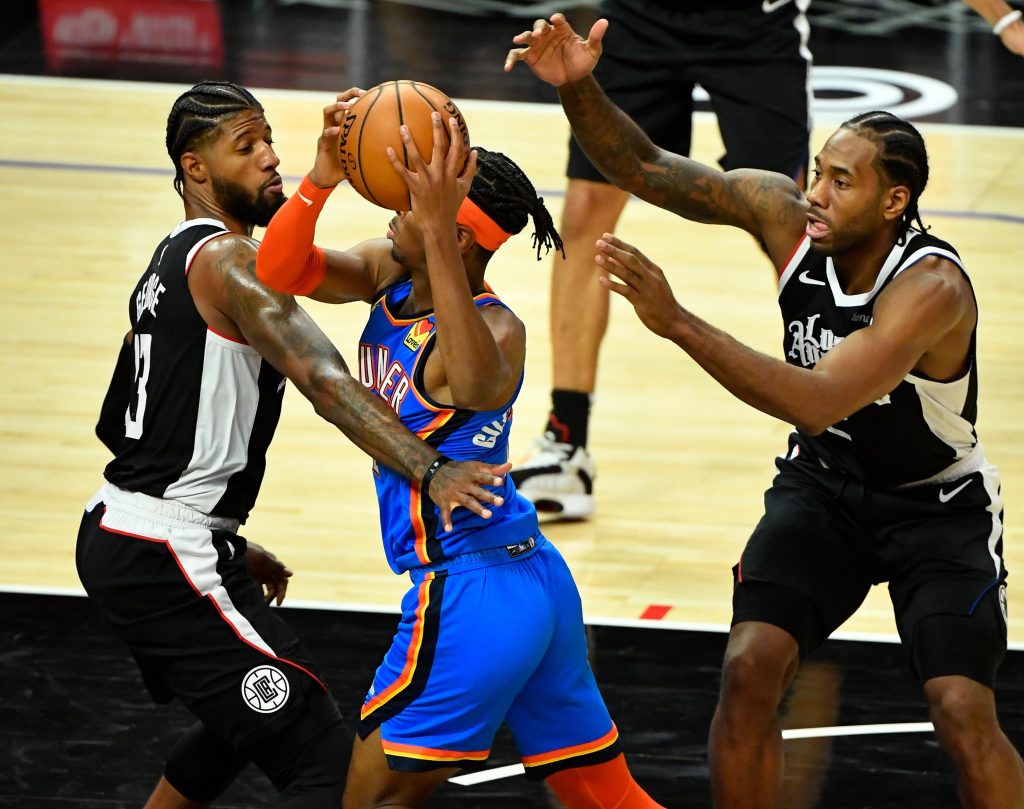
<point x="372" y="125"/>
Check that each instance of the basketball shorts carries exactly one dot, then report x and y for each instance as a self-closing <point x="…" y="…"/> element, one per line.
<point x="751" y="63"/>
<point x="485" y="638"/>
<point x="173" y="584"/>
<point x="829" y="537"/>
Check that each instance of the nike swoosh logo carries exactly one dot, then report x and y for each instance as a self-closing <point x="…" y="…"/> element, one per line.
<point x="768" y="6"/>
<point x="945" y="497"/>
<point x="805" y="278"/>
<point x="307" y="201"/>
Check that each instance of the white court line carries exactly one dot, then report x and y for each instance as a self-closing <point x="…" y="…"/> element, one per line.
<point x="513" y="770"/>
<point x="858" y="730"/>
<point x="488" y="775"/>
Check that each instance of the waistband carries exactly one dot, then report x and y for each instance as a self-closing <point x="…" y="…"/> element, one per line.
<point x="970" y="463"/>
<point x="157" y="509"/>
<point x="488" y="557"/>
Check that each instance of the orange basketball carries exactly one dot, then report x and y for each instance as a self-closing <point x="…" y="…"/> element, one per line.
<point x="372" y="125"/>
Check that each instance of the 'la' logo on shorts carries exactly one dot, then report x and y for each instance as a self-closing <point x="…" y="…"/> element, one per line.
<point x="1002" y="603"/>
<point x="265" y="689"/>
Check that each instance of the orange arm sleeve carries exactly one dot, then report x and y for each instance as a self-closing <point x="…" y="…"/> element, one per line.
<point x="287" y="260"/>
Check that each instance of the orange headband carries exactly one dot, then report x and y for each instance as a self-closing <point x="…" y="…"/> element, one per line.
<point x="488" y="235"/>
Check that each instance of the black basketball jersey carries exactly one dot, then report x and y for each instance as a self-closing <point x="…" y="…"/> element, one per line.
<point x="198" y="409"/>
<point x="911" y="434"/>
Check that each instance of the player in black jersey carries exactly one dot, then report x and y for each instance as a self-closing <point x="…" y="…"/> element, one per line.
<point x="885" y="479"/>
<point x="189" y="415"/>
<point x="753" y="61"/>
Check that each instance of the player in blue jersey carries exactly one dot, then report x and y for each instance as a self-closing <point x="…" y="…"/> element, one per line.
<point x="492" y="628"/>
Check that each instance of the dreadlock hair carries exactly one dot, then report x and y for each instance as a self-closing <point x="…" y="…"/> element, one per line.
<point x="902" y="157"/>
<point x="197" y="112"/>
<point x="502" y="191"/>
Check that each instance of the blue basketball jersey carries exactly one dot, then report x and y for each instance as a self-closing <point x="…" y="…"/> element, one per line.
<point x="392" y="354"/>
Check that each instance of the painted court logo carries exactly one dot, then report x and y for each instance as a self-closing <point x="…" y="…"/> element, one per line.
<point x="265" y="689"/>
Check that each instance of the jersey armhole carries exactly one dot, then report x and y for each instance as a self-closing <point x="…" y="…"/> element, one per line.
<point x="799" y="251"/>
<point x="199" y="246"/>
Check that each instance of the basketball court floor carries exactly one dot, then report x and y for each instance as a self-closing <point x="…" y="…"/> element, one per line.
<point x="681" y="466"/>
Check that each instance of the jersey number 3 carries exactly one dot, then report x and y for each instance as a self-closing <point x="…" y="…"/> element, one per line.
<point x="136" y="411"/>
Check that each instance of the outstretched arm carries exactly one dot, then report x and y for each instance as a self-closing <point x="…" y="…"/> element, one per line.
<point x="768" y="205"/>
<point x="224" y="276"/>
<point x="482" y="349"/>
<point x="1006" y="22"/>
<point x="919" y="310"/>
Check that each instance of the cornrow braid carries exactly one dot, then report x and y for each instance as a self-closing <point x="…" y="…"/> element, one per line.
<point x="505" y="193"/>
<point x="198" y="111"/>
<point x="901" y="155"/>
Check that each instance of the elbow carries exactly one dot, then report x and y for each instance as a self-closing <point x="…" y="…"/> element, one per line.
<point x="811" y="427"/>
<point x="324" y="388"/>
<point x="816" y="420"/>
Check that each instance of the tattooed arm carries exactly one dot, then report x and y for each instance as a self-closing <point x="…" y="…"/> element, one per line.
<point x="770" y="206"/>
<point x="233" y="302"/>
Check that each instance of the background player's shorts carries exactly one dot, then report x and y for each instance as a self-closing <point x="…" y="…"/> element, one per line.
<point x="478" y="645"/>
<point x="829" y="538"/>
<point x="750" y="62"/>
<point x="173" y="584"/>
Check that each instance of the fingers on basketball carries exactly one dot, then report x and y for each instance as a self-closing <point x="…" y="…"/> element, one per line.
<point x="372" y="125"/>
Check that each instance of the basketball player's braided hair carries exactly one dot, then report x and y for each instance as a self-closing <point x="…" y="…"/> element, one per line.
<point x="901" y="154"/>
<point x="197" y="112"/>
<point x="502" y="191"/>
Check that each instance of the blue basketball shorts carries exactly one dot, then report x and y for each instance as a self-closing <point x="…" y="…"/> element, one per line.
<point x="488" y="637"/>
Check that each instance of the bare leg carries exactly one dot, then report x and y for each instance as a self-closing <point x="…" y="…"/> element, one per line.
<point x="167" y="797"/>
<point x="371" y="783"/>
<point x="579" y="305"/>
<point x="745" y="744"/>
<point x="813" y="701"/>
<point x="990" y="774"/>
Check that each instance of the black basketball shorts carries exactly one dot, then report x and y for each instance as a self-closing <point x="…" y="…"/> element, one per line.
<point x="173" y="584"/>
<point x="829" y="538"/>
<point x="754" y="66"/>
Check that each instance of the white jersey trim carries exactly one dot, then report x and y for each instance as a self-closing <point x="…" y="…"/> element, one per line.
<point x="972" y="462"/>
<point x="192" y="223"/>
<point x="229" y="397"/>
<point x="990" y="480"/>
<point x="199" y="246"/>
<point x="842" y="299"/>
<point x="147" y="507"/>
<point x="794" y="262"/>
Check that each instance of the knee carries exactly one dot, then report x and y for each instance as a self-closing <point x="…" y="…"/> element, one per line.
<point x="963" y="713"/>
<point x="590" y="208"/>
<point x="752" y="680"/>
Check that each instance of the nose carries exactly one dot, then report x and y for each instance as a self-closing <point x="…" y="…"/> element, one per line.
<point x="270" y="158"/>
<point x="816" y="194"/>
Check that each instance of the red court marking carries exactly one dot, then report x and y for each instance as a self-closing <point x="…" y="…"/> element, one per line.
<point x="656" y="612"/>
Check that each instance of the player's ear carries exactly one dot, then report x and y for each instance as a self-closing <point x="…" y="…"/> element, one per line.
<point x="193" y="167"/>
<point x="466" y="237"/>
<point x="896" y="201"/>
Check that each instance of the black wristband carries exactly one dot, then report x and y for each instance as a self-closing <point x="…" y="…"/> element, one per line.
<point x="428" y="476"/>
